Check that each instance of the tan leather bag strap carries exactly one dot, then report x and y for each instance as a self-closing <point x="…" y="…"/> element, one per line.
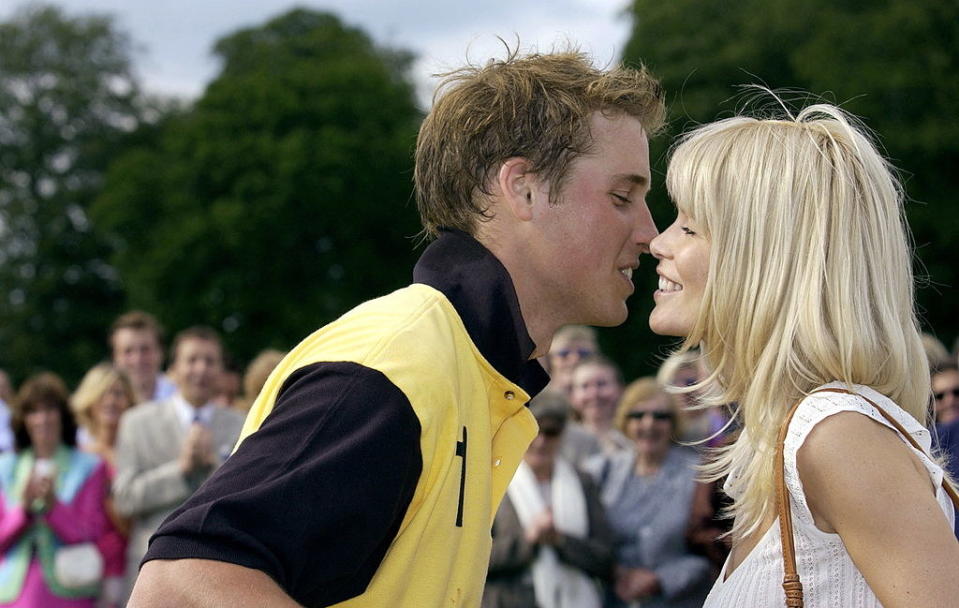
<point x="792" y="586"/>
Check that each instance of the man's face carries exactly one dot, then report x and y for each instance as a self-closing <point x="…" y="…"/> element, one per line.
<point x="595" y="392"/>
<point x="137" y="352"/>
<point x="196" y="369"/>
<point x="590" y="240"/>
<point x="6" y="389"/>
<point x="945" y="389"/>
<point x="564" y="354"/>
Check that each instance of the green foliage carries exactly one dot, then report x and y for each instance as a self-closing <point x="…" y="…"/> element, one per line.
<point x="893" y="63"/>
<point x="283" y="198"/>
<point x="67" y="101"/>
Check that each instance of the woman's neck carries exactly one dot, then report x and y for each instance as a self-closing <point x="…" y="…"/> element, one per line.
<point x="648" y="463"/>
<point x="105" y="435"/>
<point x="597" y="427"/>
<point x="543" y="473"/>
<point x="44" y="451"/>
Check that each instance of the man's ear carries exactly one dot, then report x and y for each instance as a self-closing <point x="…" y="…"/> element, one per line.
<point x="518" y="187"/>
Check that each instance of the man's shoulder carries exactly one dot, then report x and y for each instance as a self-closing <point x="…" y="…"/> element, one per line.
<point x="415" y="319"/>
<point x="146" y="412"/>
<point x="229" y="416"/>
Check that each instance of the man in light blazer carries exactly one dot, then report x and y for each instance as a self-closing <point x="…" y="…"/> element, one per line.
<point x="167" y="448"/>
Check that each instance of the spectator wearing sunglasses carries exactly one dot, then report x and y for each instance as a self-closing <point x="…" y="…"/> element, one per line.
<point x="570" y="345"/>
<point x="683" y="370"/>
<point x="551" y="542"/>
<point x="945" y="391"/>
<point x="648" y="494"/>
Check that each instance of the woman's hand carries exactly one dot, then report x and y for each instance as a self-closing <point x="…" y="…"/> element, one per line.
<point x="542" y="529"/>
<point x="38" y="492"/>
<point x="635" y="583"/>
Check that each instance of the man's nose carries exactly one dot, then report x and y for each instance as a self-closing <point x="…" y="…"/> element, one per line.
<point x="645" y="230"/>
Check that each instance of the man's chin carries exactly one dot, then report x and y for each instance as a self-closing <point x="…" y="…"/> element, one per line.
<point x="611" y="319"/>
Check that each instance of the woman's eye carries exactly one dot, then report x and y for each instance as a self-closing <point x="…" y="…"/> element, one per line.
<point x="686" y="230"/>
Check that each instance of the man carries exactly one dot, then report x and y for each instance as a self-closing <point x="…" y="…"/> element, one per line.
<point x="597" y="385"/>
<point x="136" y="344"/>
<point x="375" y="457"/>
<point x="945" y="391"/>
<point x="166" y="449"/>
<point x="570" y="345"/>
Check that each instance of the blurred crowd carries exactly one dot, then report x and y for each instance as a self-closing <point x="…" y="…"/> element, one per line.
<point x="607" y="509"/>
<point x="87" y="476"/>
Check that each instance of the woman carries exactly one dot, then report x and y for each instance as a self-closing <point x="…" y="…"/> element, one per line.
<point x="103" y="395"/>
<point x="257" y="373"/>
<point x="699" y="423"/>
<point x="52" y="496"/>
<point x="648" y="494"/>
<point x="550" y="538"/>
<point x="789" y="264"/>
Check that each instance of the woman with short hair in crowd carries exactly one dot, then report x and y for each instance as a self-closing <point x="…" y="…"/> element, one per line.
<point x="648" y="493"/>
<point x="551" y="544"/>
<point x="51" y="497"/>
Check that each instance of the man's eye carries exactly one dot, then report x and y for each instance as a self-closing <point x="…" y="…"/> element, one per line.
<point x="621" y="199"/>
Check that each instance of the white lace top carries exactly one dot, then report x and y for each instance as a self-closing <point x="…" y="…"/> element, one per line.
<point x="828" y="574"/>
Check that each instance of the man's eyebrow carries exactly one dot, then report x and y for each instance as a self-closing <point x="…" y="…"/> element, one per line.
<point x="633" y="178"/>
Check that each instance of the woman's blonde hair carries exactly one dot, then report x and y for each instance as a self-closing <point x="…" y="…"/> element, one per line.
<point x="95" y="383"/>
<point x="256" y="375"/>
<point x="809" y="280"/>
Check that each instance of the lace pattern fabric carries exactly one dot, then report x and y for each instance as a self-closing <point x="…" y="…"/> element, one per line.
<point x="828" y="574"/>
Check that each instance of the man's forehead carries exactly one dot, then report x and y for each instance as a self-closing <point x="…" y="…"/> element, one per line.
<point x="621" y="139"/>
<point x="135" y="335"/>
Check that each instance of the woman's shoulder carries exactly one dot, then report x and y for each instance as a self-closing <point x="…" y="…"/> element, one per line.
<point x="827" y="401"/>
<point x="842" y="440"/>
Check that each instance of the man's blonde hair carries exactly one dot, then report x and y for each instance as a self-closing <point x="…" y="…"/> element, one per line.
<point x="535" y="106"/>
<point x="810" y="277"/>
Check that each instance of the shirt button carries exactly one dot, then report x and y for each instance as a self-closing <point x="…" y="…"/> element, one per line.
<point x="497" y="462"/>
<point x="509" y="395"/>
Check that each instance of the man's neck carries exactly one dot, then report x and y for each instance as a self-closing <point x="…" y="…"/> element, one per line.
<point x="194" y="402"/>
<point x="146" y="388"/>
<point x="533" y="302"/>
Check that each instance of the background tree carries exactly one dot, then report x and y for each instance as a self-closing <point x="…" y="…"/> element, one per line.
<point x="893" y="63"/>
<point x="283" y="197"/>
<point x="68" y="99"/>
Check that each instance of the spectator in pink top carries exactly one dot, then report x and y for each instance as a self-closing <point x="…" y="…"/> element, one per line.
<point x="51" y="495"/>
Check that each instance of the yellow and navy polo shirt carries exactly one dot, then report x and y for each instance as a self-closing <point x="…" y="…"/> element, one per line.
<point x="374" y="460"/>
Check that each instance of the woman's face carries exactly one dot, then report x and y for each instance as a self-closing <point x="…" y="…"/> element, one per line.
<point x="683" y="255"/>
<point x="650" y="425"/>
<point x="42" y="422"/>
<point x="107" y="411"/>
<point x="541" y="454"/>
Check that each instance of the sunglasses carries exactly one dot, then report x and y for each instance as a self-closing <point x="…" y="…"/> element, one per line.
<point x="550" y="431"/>
<point x="656" y="414"/>
<point x="954" y="392"/>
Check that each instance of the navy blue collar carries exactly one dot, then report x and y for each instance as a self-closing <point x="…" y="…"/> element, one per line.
<point x="481" y="291"/>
